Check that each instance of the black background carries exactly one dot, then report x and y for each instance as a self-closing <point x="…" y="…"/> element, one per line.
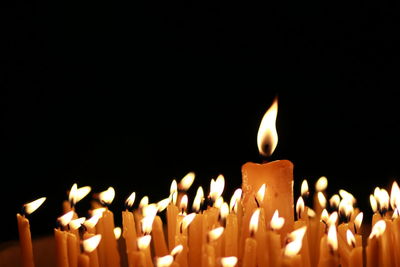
<point x="135" y="95"/>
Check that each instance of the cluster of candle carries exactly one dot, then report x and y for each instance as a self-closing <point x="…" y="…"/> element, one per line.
<point x="211" y="234"/>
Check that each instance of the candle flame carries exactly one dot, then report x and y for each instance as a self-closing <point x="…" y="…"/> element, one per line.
<point x="395" y="196"/>
<point x="332" y="237"/>
<point x="333" y="218"/>
<point x="348" y="196"/>
<point x="75" y="224"/>
<point x="304" y="188"/>
<point x="217" y="187"/>
<point x="93" y="220"/>
<point x="117" y="232"/>
<point x="130" y="200"/>
<point x="299" y="206"/>
<point x="143" y="242"/>
<point x="150" y="210"/>
<point x="173" y="192"/>
<point x="378" y="229"/>
<point x="90" y="244"/>
<point x="324" y="216"/>
<point x="382" y="197"/>
<point x="164" y="261"/>
<point x="260" y="194"/>
<point x="72" y="194"/>
<point x="346" y="208"/>
<point x="144" y="202"/>
<point x="198" y="199"/>
<point x="374" y="204"/>
<point x="215" y="233"/>
<point x="321" y="184"/>
<point x="321" y="199"/>
<point x="297" y="234"/>
<point x="107" y="196"/>
<point x="162" y="204"/>
<point x="334" y="201"/>
<point x="176" y="250"/>
<point x="218" y="203"/>
<point x="34" y="205"/>
<point x="66" y="218"/>
<point x="183" y="205"/>
<point x="311" y="213"/>
<point x="276" y="221"/>
<point x="253" y="225"/>
<point x="267" y="136"/>
<point x="98" y="212"/>
<point x="147" y="224"/>
<point x="187" y="220"/>
<point x="395" y="214"/>
<point x="294" y="246"/>
<point x="235" y="199"/>
<point x="229" y="261"/>
<point x="224" y="210"/>
<point x="187" y="181"/>
<point x="358" y="221"/>
<point x="351" y="240"/>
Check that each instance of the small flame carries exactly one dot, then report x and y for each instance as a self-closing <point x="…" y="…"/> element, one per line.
<point x="333" y="218"/>
<point x="321" y="199"/>
<point x="260" y="194"/>
<point x="92" y="221"/>
<point x="382" y="197"/>
<point x="294" y="246"/>
<point x="378" y="229"/>
<point x="351" y="240"/>
<point x="235" y="199"/>
<point x="130" y="200"/>
<point x="218" y="203"/>
<point x="297" y="234"/>
<point x="173" y="192"/>
<point x="217" y="187"/>
<point x="346" y="208"/>
<point x="358" y="221"/>
<point x="332" y="237"/>
<point x="395" y="214"/>
<point x="334" y="201"/>
<point x="324" y="216"/>
<point x="98" y="212"/>
<point x="267" y="136"/>
<point x="34" y="205"/>
<point x="374" y="204"/>
<point x="66" y="218"/>
<point x="311" y="213"/>
<point x="321" y="184"/>
<point x="253" y="225"/>
<point x="304" y="188"/>
<point x="188" y="219"/>
<point x="198" y="199"/>
<point x="107" y="196"/>
<point x="143" y="242"/>
<point x="91" y="243"/>
<point x="72" y="194"/>
<point x="299" y="206"/>
<point x="147" y="224"/>
<point x="82" y="192"/>
<point x="276" y="221"/>
<point x="117" y="232"/>
<point x="183" y="205"/>
<point x="75" y="224"/>
<point x="224" y="210"/>
<point x="348" y="196"/>
<point x="144" y="202"/>
<point x="187" y="181"/>
<point x="176" y="250"/>
<point x="215" y="233"/>
<point x="164" y="261"/>
<point x="395" y="196"/>
<point x="229" y="261"/>
<point x="162" y="204"/>
<point x="150" y="210"/>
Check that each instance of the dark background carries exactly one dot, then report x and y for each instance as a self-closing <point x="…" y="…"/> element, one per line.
<point x="135" y="95"/>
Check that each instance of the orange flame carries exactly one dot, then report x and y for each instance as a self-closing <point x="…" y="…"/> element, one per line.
<point x="267" y="136"/>
<point x="34" y="205"/>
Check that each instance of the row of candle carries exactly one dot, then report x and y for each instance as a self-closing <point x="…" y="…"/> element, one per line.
<point x="218" y="233"/>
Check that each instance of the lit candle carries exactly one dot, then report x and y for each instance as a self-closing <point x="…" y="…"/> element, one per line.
<point x="61" y="239"/>
<point x="196" y="230"/>
<point x="172" y="213"/>
<point x="291" y="256"/>
<point x="356" y="257"/>
<point x="250" y="248"/>
<point x="129" y="228"/>
<point x="24" y="231"/>
<point x="144" y="247"/>
<point x="232" y="226"/>
<point x="276" y="175"/>
<point x="160" y="247"/>
<point x="184" y="184"/>
<point x="274" y="240"/>
<point x="329" y="247"/>
<point x="229" y="261"/>
<point x="164" y="261"/>
<point x="90" y="244"/>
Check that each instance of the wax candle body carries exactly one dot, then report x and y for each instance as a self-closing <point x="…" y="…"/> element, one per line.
<point x="25" y="241"/>
<point x="83" y="261"/>
<point x="250" y="253"/>
<point x="278" y="178"/>
<point x="160" y="247"/>
<point x="61" y="248"/>
<point x="195" y="240"/>
<point x="172" y="213"/>
<point x="356" y="257"/>
<point x="372" y="252"/>
<point x="231" y="236"/>
<point x="129" y="231"/>
<point x="112" y="254"/>
<point x="136" y="259"/>
<point x="72" y="250"/>
<point x="294" y="261"/>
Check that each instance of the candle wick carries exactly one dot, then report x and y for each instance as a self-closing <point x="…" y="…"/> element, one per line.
<point x="258" y="204"/>
<point x="355" y="228"/>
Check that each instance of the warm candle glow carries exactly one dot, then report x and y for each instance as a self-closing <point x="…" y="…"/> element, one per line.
<point x="75" y="224"/>
<point x="321" y="184"/>
<point x="66" y="218"/>
<point x="297" y="234"/>
<point x="77" y="194"/>
<point x="325" y="216"/>
<point x="378" y="229"/>
<point x="321" y="199"/>
<point x="228" y="261"/>
<point x="150" y="210"/>
<point x="299" y="206"/>
<point x="395" y="196"/>
<point x="235" y="199"/>
<point x="34" y="205"/>
<point x="117" y="232"/>
<point x="304" y="188"/>
<point x="296" y="238"/>
<point x="358" y="220"/>
<point x="98" y="212"/>
<point x="130" y="200"/>
<point x="91" y="243"/>
<point x="173" y="192"/>
<point x="382" y="198"/>
<point x="253" y="225"/>
<point x="215" y="233"/>
<point x="217" y="187"/>
<point x="92" y="221"/>
<point x="162" y="204"/>
<point x="143" y="242"/>
<point x="345" y="208"/>
<point x="198" y="199"/>
<point x="187" y="220"/>
<point x="348" y="196"/>
<point x="260" y="194"/>
<point x="107" y="196"/>
<point x="351" y="240"/>
<point x="164" y="261"/>
<point x="147" y="224"/>
<point x="144" y="202"/>
<point x="267" y="136"/>
<point x="218" y="203"/>
<point x="176" y="250"/>
<point x="374" y="204"/>
<point x="332" y="237"/>
<point x="334" y="201"/>
<point x="276" y="221"/>
<point x="183" y="205"/>
<point x="224" y="211"/>
<point x="311" y="213"/>
<point x="187" y="181"/>
<point x="333" y="218"/>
